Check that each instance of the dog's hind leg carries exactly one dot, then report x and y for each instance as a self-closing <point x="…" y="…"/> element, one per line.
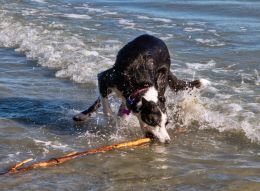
<point x="178" y="85"/>
<point x="104" y="82"/>
<point x="87" y="113"/>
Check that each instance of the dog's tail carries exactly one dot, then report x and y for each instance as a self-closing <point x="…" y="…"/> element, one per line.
<point x="87" y="113"/>
<point x="178" y="85"/>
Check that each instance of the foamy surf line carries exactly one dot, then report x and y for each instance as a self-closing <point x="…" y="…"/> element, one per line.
<point x="53" y="145"/>
<point x="53" y="48"/>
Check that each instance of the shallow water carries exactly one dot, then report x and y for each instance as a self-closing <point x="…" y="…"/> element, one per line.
<point x="51" y="52"/>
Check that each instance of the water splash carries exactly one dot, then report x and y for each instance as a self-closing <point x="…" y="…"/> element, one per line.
<point x="188" y="109"/>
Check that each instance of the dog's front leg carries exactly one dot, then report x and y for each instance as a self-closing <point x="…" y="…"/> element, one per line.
<point x="106" y="106"/>
<point x="87" y="113"/>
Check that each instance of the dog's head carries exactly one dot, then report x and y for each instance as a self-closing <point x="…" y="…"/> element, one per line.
<point x="153" y="120"/>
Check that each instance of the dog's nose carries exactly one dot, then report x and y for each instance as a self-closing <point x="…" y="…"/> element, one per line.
<point x="167" y="141"/>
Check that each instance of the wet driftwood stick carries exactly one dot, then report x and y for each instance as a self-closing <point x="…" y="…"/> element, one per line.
<point x="55" y="161"/>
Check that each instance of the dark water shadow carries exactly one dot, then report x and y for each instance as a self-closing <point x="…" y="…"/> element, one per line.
<point x="31" y="95"/>
<point x="54" y="115"/>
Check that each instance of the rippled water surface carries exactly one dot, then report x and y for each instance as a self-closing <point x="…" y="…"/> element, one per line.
<point x="50" y="54"/>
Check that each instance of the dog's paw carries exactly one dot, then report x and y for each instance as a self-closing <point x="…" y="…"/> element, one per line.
<point x="80" y="117"/>
<point x="204" y="83"/>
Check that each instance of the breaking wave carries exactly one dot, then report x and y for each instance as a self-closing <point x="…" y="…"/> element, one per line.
<point x="65" y="52"/>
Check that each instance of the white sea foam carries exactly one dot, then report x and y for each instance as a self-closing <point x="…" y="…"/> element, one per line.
<point x="210" y="42"/>
<point x="233" y="108"/>
<point x="196" y="23"/>
<point x="130" y="24"/>
<point x="206" y="83"/>
<point x="54" y="25"/>
<point x="39" y="1"/>
<point x="198" y="66"/>
<point x="244" y="29"/>
<point x="214" y="31"/>
<point x="29" y="12"/>
<point x="164" y="20"/>
<point x="252" y="132"/>
<point x="167" y="37"/>
<point x="56" y="49"/>
<point x="223" y="96"/>
<point x="76" y="16"/>
<point x="13" y="157"/>
<point x="126" y="23"/>
<point x="143" y="17"/>
<point x="91" y="9"/>
<point x="88" y="29"/>
<point x="52" y="145"/>
<point x="186" y="107"/>
<point x="191" y="29"/>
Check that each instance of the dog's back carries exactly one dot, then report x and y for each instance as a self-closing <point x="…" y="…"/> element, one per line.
<point x="142" y="62"/>
<point x="141" y="49"/>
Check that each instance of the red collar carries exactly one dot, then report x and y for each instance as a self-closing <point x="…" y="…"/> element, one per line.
<point x="135" y="95"/>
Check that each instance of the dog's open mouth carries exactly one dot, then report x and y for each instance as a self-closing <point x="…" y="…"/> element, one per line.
<point x="149" y="135"/>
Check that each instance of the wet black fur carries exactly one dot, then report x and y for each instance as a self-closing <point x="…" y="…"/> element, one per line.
<point x="145" y="61"/>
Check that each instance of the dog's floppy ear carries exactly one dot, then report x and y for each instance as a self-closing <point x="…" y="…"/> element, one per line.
<point x="144" y="102"/>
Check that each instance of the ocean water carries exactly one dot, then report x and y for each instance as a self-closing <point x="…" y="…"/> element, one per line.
<point x="50" y="54"/>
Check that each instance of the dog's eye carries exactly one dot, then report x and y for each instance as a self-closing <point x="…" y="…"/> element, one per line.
<point x="167" y="122"/>
<point x="151" y="120"/>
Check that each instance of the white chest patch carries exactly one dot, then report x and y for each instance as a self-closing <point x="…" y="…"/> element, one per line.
<point x="151" y="95"/>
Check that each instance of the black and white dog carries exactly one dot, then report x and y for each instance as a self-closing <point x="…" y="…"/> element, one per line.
<point x="140" y="77"/>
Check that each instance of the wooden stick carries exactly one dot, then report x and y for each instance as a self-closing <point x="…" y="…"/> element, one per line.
<point x="55" y="161"/>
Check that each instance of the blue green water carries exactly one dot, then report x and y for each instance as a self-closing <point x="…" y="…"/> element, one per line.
<point x="50" y="54"/>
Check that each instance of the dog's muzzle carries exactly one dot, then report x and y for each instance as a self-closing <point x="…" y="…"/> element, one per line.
<point x="159" y="134"/>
